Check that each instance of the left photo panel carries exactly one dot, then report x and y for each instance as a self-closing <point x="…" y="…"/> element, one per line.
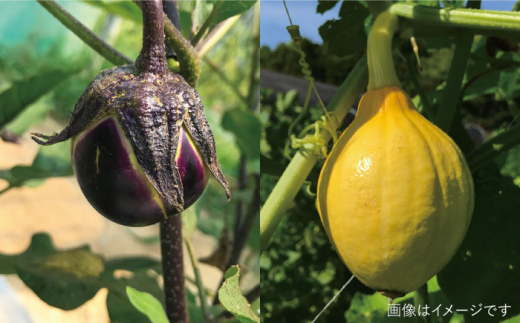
<point x="129" y="161"/>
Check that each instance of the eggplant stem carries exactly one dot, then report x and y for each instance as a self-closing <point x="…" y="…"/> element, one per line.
<point x="173" y="269"/>
<point x="152" y="58"/>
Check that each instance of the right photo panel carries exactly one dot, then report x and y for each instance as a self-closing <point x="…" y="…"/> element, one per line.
<point x="390" y="161"/>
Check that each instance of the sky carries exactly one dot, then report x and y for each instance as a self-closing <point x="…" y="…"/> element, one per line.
<point x="273" y="18"/>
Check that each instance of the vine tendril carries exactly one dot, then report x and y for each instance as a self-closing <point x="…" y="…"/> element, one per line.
<point x="326" y="123"/>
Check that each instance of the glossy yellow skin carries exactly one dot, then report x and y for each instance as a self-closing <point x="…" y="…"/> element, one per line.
<point x="395" y="194"/>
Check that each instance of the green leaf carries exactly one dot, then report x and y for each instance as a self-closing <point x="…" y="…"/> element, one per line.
<point x="489" y="253"/>
<point x="232" y="299"/>
<point x="147" y="304"/>
<point x="133" y="264"/>
<point x="326" y="5"/>
<point x="25" y="92"/>
<point x="246" y="127"/>
<point x="65" y="279"/>
<point x="367" y="308"/>
<point x="41" y="246"/>
<point x="347" y="35"/>
<point x="125" y="9"/>
<point x="186" y="8"/>
<point x="119" y="307"/>
<point x="224" y="9"/>
<point x="33" y="115"/>
<point x="51" y="161"/>
<point x="374" y="308"/>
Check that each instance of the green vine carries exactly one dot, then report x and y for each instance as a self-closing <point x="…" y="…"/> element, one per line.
<point x="451" y="94"/>
<point x="294" y="176"/>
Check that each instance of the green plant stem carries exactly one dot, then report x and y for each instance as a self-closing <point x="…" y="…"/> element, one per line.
<point x="493" y="147"/>
<point x="421" y="300"/>
<point x="381" y="70"/>
<point x="85" y="34"/>
<point x="452" y="91"/>
<point x="466" y="18"/>
<point x="198" y="281"/>
<point x="189" y="60"/>
<point x="290" y="182"/>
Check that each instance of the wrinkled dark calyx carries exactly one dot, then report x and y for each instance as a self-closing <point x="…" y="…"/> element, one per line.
<point x="151" y="109"/>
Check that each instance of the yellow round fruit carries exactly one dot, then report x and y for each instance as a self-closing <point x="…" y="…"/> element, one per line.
<point x="395" y="194"/>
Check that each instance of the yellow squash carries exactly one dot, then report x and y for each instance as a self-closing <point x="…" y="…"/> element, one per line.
<point x="395" y="195"/>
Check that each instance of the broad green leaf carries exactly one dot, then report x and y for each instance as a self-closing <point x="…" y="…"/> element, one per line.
<point x="65" y="279"/>
<point x="147" y="304"/>
<point x="33" y="115"/>
<point x="347" y="35"/>
<point x="224" y="9"/>
<point x="485" y="269"/>
<point x="25" y="92"/>
<point x="374" y="308"/>
<point x="232" y="299"/>
<point x="246" y="127"/>
<point x="186" y="8"/>
<point x="125" y="9"/>
<point x="51" y="161"/>
<point x="41" y="246"/>
<point x="119" y="307"/>
<point x="367" y="308"/>
<point x="133" y="264"/>
<point x="325" y="5"/>
<point x="199" y="14"/>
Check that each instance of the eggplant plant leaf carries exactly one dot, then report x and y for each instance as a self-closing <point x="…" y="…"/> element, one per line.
<point x="53" y="161"/>
<point x="246" y="128"/>
<point x="25" y="92"/>
<point x="232" y="299"/>
<point x="62" y="278"/>
<point x="226" y="9"/>
<point x="125" y="9"/>
<point x="65" y="279"/>
<point x="147" y="304"/>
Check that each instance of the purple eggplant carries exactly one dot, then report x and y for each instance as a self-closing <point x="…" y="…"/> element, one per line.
<point x="142" y="149"/>
<point x="115" y="184"/>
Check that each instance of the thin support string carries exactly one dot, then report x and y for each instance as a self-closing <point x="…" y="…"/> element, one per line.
<point x="287" y="10"/>
<point x="333" y="299"/>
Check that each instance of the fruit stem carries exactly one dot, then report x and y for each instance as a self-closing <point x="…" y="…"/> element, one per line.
<point x="381" y="70"/>
<point x="173" y="269"/>
<point x="152" y="58"/>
